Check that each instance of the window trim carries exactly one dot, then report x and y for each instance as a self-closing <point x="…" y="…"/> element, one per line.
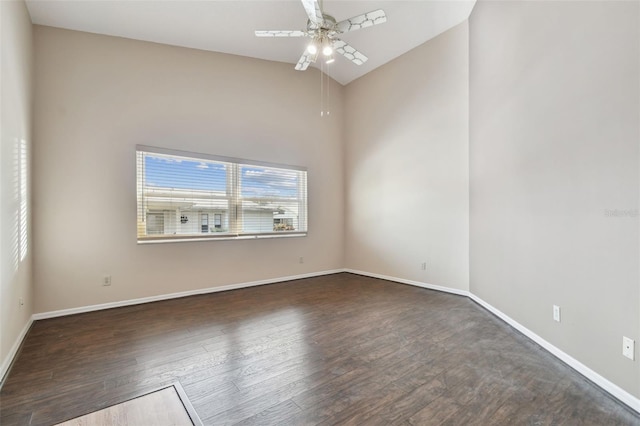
<point x="235" y="200"/>
<point x="197" y="155"/>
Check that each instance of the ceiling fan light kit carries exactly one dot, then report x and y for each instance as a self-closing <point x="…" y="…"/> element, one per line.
<point x="324" y="31"/>
<point x="312" y="49"/>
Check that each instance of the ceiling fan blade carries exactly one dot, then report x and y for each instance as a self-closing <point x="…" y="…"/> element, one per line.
<point x="304" y="61"/>
<point x="349" y="52"/>
<point x="280" y="33"/>
<point x="312" y="7"/>
<point x="362" y="21"/>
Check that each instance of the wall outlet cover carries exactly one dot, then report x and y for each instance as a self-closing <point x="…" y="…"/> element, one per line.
<point x="628" y="347"/>
<point x="556" y="313"/>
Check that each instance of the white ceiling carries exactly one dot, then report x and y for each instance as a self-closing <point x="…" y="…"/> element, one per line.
<point x="228" y="26"/>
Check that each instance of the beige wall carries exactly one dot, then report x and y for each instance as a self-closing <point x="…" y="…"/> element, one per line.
<point x="15" y="228"/>
<point x="554" y="139"/>
<point x="407" y="187"/>
<point x="98" y="96"/>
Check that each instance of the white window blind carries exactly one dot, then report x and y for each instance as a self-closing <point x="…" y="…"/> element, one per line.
<point x="185" y="196"/>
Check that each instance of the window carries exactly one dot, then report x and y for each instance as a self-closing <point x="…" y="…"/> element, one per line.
<point x="204" y="221"/>
<point x="178" y="192"/>
<point x="155" y="223"/>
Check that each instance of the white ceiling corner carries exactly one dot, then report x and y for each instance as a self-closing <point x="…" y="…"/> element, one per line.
<point x="228" y="26"/>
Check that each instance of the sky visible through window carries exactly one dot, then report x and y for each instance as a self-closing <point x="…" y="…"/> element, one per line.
<point x="182" y="173"/>
<point x="179" y="173"/>
<point x="268" y="182"/>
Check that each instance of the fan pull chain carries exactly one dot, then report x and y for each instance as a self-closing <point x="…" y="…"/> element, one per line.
<point x="328" y="92"/>
<point x="324" y="101"/>
<point x="321" y="90"/>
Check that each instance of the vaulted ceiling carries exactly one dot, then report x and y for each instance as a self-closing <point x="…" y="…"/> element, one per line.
<point x="228" y="26"/>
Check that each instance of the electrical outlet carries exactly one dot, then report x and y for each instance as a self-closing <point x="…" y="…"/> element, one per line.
<point x="301" y="259"/>
<point x="556" y="313"/>
<point x="106" y="280"/>
<point x="628" y="347"/>
<point x="423" y="265"/>
<point x="21" y="302"/>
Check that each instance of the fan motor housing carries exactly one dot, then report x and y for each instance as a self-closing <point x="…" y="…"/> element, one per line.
<point x="328" y="24"/>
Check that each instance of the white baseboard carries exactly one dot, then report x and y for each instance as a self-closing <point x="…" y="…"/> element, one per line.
<point x="129" y="302"/>
<point x="613" y="389"/>
<point x="410" y="282"/>
<point x="6" y="362"/>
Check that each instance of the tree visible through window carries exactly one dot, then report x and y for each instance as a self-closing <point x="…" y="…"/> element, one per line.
<point x="179" y="193"/>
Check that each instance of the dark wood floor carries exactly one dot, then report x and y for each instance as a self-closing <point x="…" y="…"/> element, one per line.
<point x="339" y="349"/>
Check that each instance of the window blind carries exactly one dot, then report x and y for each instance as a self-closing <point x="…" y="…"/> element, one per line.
<point x="185" y="196"/>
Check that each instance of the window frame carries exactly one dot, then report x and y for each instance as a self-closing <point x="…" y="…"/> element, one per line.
<point x="233" y="195"/>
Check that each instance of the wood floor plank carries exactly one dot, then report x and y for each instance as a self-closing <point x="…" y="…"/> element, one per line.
<point x="338" y="349"/>
<point x="249" y="403"/>
<point x="441" y="409"/>
<point x="276" y="415"/>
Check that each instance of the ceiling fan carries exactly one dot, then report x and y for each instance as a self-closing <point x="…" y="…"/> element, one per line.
<point x="323" y="30"/>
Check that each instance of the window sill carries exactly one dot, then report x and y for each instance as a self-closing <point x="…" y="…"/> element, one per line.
<point x="186" y="238"/>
